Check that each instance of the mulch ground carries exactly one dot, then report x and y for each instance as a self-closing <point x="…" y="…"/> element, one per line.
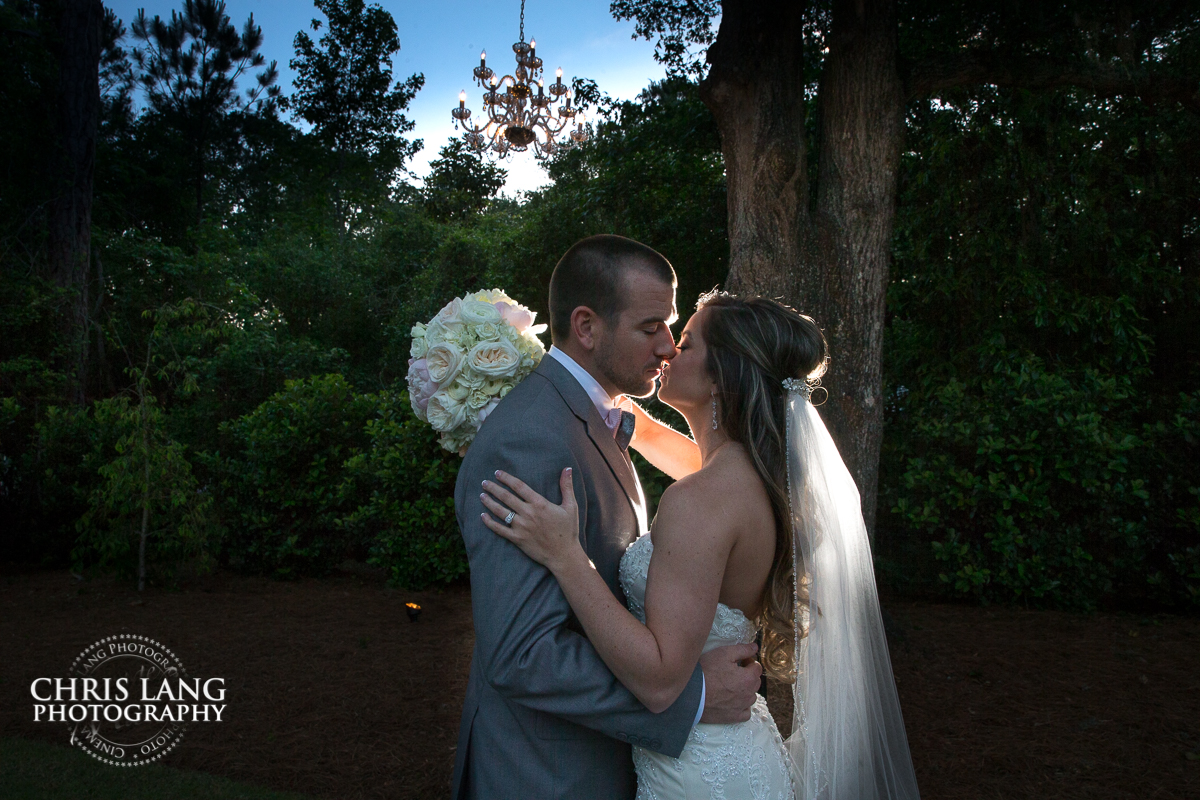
<point x="334" y="693"/>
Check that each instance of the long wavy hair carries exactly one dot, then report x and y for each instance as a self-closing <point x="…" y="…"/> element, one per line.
<point x="754" y="344"/>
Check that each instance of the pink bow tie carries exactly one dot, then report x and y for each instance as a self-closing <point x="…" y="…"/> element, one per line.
<point x="621" y="424"/>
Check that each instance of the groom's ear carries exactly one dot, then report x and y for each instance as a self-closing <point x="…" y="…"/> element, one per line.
<point x="586" y="327"/>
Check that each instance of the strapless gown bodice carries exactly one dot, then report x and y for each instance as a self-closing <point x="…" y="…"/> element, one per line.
<point x="746" y="761"/>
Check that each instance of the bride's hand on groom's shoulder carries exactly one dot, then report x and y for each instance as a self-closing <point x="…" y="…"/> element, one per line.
<point x="547" y="533"/>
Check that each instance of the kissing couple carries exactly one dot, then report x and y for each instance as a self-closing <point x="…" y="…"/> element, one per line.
<point x="616" y="659"/>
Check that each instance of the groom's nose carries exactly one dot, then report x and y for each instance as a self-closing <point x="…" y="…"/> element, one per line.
<point x="665" y="347"/>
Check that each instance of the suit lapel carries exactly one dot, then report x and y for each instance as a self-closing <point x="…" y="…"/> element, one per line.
<point x="583" y="407"/>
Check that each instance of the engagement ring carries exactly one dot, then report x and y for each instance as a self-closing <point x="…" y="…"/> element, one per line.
<point x="511" y="516"/>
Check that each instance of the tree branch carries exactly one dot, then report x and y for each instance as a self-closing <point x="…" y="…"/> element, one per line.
<point x="1030" y="72"/>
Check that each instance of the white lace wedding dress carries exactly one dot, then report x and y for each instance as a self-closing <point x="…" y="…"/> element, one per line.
<point x="746" y="761"/>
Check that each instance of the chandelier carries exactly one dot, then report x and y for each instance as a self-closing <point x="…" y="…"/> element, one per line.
<point x="520" y="110"/>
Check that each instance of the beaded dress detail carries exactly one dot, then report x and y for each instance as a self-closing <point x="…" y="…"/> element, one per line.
<point x="746" y="761"/>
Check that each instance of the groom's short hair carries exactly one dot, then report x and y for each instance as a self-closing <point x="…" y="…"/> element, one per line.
<point x="591" y="274"/>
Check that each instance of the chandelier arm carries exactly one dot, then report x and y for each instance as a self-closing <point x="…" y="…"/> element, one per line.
<point x="562" y="123"/>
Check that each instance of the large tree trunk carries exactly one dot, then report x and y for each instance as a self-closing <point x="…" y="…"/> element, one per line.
<point x="70" y="217"/>
<point x="755" y="90"/>
<point x="832" y="261"/>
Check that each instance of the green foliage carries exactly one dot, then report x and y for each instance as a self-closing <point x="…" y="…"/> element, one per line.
<point x="344" y="91"/>
<point x="50" y="474"/>
<point x="1041" y="437"/>
<point x="283" y="481"/>
<point x="1042" y="486"/>
<point x="189" y="69"/>
<point x="147" y="489"/>
<point x="407" y="485"/>
<point x="320" y="473"/>
<point x="683" y="30"/>
<point x="460" y="183"/>
<point x="652" y="171"/>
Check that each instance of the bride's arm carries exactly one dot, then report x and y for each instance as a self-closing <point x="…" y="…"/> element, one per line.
<point x="655" y="660"/>
<point x="662" y="445"/>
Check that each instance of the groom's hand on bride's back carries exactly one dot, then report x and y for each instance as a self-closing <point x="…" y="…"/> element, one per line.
<point x="731" y="681"/>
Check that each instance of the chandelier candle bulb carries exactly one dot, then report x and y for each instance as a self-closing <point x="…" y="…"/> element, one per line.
<point x="462" y="99"/>
<point x="483" y="58"/>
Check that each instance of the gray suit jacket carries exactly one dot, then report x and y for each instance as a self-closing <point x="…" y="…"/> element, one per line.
<point x="543" y="716"/>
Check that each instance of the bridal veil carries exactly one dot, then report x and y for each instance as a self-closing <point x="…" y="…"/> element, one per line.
<point x="848" y="740"/>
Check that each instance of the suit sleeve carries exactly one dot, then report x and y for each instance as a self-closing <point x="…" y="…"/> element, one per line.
<point x="527" y="652"/>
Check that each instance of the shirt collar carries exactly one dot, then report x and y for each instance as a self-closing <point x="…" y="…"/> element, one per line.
<point x="590" y="385"/>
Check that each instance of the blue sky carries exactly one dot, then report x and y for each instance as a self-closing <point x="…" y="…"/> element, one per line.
<point x="443" y="40"/>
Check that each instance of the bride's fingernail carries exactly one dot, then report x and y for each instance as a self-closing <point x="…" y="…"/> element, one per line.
<point x="485" y="483"/>
<point x="497" y="473"/>
<point x="483" y="496"/>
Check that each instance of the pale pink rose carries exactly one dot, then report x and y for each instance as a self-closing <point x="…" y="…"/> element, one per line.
<point x="518" y="316"/>
<point x="420" y="386"/>
<point x="444" y="362"/>
<point x="449" y="315"/>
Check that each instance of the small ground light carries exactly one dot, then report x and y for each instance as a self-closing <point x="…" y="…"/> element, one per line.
<point x="413" y="610"/>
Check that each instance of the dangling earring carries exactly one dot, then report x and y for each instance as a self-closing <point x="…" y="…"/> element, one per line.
<point x="714" y="399"/>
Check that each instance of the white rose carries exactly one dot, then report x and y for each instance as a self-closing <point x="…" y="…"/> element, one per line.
<point x="488" y="332"/>
<point x="460" y="337"/>
<point x="419" y="347"/>
<point x="491" y="296"/>
<point x="493" y="358"/>
<point x="477" y="312"/>
<point x="435" y="333"/>
<point x="470" y="378"/>
<point x="443" y="362"/>
<point x="444" y="412"/>
<point x="477" y="399"/>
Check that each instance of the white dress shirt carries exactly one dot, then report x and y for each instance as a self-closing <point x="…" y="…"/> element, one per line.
<point x="604" y="403"/>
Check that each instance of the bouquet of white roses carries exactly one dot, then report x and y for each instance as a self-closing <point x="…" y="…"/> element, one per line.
<point x="466" y="358"/>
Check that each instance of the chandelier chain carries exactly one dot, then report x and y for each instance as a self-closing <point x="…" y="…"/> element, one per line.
<point x="522" y="20"/>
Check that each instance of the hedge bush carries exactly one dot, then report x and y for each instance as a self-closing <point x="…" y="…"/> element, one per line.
<point x="1045" y="487"/>
<point x="283" y="483"/>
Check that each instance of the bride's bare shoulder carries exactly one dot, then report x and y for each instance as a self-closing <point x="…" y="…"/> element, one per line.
<point x="727" y="489"/>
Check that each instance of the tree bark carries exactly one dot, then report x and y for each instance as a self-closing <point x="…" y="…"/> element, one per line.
<point x="70" y="215"/>
<point x="862" y="134"/>
<point x="755" y="91"/>
<point x="830" y="261"/>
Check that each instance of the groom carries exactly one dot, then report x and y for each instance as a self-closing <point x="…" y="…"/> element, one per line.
<point x="543" y="716"/>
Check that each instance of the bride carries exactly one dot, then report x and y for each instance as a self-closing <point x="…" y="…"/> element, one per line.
<point x="761" y="532"/>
